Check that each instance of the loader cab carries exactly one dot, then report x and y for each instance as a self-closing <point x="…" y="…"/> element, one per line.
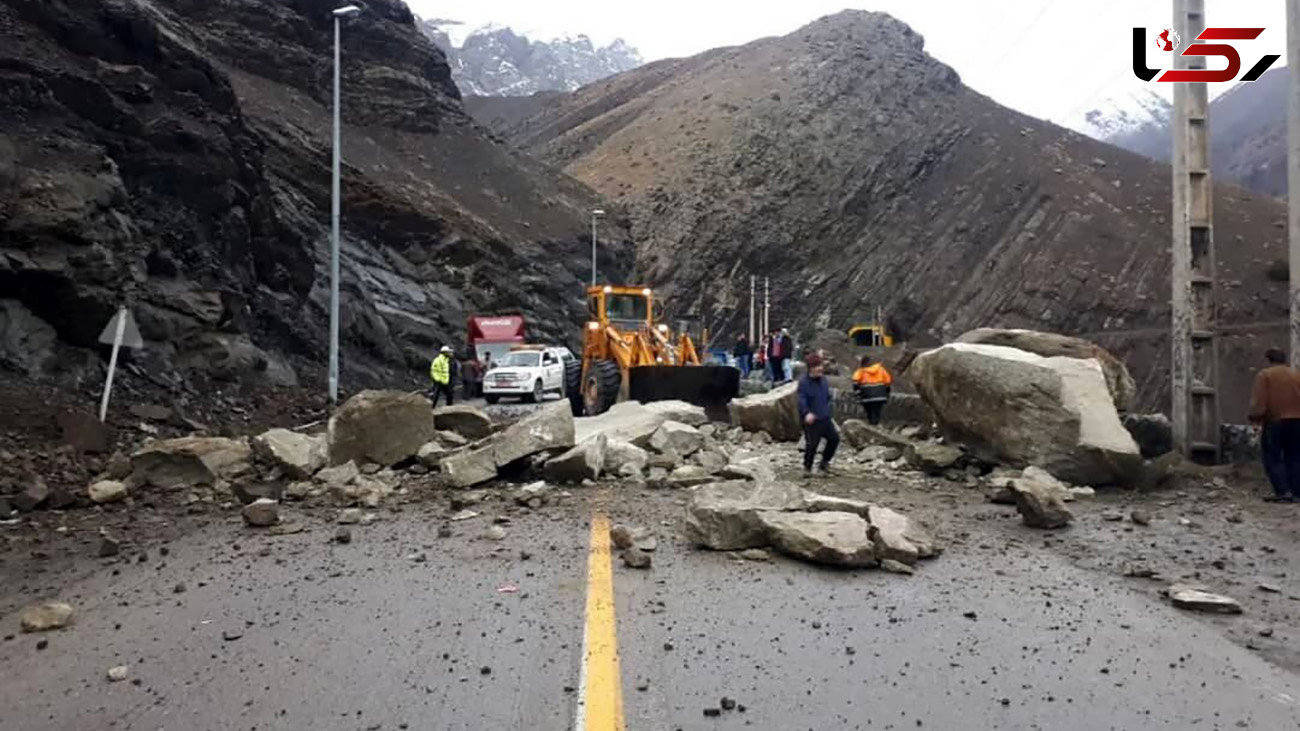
<point x="626" y="308"/>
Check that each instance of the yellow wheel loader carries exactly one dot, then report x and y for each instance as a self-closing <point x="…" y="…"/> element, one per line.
<point x="628" y="354"/>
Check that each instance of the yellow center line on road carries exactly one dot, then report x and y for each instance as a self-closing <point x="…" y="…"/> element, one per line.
<point x="600" y="700"/>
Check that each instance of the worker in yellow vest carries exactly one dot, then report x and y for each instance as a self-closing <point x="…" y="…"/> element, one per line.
<point x="440" y="370"/>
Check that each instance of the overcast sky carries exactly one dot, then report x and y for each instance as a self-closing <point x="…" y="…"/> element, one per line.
<point x="1023" y="53"/>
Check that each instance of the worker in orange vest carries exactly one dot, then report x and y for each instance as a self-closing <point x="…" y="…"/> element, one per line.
<point x="872" y="382"/>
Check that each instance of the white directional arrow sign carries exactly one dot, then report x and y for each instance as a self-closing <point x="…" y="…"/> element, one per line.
<point x="121" y="330"/>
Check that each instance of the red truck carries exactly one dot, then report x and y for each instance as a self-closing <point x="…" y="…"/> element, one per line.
<point x="493" y="336"/>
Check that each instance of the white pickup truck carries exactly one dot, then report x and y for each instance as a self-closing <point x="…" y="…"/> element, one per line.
<point x="528" y="374"/>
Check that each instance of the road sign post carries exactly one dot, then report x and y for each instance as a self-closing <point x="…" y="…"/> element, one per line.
<point x="120" y="331"/>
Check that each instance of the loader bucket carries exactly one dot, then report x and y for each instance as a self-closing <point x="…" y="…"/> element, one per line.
<point x="706" y="385"/>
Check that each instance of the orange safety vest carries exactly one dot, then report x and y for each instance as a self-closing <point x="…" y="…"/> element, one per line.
<point x="873" y="375"/>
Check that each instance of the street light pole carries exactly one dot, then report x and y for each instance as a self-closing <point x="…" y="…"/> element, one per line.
<point x="594" y="215"/>
<point x="335" y="205"/>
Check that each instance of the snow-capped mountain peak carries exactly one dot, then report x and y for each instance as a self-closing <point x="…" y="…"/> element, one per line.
<point x="1122" y="114"/>
<point x="495" y="60"/>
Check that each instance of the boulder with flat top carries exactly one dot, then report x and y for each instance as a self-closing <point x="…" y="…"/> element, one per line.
<point x="383" y="427"/>
<point x="1014" y="407"/>
<point x="775" y="413"/>
<point x="831" y="538"/>
<point x="299" y="455"/>
<point x="582" y="462"/>
<point x="1120" y="384"/>
<point x="549" y="429"/>
<point x="628" y="421"/>
<point x="468" y="421"/>
<point x="190" y="461"/>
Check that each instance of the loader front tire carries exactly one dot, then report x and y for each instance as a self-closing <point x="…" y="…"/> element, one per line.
<point x="600" y="387"/>
<point x="573" y="386"/>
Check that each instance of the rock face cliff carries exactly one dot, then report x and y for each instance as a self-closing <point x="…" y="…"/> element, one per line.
<point x="857" y="172"/>
<point x="176" y="156"/>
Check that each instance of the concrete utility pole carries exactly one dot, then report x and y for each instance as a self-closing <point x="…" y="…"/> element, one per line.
<point x="752" y="286"/>
<point x="335" y="206"/>
<point x="767" y="305"/>
<point x="594" y="215"/>
<point x="1194" y="367"/>
<point x="1293" y="167"/>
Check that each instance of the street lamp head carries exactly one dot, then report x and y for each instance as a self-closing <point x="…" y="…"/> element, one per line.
<point x="347" y="11"/>
<point x="598" y="212"/>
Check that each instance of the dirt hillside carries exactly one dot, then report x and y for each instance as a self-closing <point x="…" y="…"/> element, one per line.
<point x="857" y="171"/>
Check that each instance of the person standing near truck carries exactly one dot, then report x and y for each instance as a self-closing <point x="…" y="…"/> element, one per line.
<point x="441" y="371"/>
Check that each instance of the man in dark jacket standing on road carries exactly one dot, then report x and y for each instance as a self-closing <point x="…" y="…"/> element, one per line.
<point x="1275" y="407"/>
<point x="815" y="412"/>
<point x="744" y="356"/>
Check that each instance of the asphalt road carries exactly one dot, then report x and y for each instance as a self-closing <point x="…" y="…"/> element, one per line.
<point x="403" y="628"/>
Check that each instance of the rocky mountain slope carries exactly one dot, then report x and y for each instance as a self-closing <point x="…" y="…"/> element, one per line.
<point x="496" y="61"/>
<point x="176" y="156"/>
<point x="856" y="171"/>
<point x="1247" y="135"/>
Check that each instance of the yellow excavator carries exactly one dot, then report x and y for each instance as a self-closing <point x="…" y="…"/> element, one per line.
<point x="628" y="354"/>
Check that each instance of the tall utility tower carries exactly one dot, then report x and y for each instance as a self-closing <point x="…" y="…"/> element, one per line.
<point x="1194" y="368"/>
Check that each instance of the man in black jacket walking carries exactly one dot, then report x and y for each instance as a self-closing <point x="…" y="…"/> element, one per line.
<point x="815" y="411"/>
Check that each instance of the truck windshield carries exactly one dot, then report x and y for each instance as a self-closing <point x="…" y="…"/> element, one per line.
<point x="518" y="360"/>
<point x="627" y="307"/>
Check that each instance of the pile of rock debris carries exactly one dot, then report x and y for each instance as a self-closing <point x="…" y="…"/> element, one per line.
<point x="1026" y="422"/>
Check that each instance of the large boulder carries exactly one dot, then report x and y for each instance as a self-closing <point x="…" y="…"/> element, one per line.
<point x="1122" y="387"/>
<point x="190" y="461"/>
<point x="737" y="515"/>
<point x="384" y="427"/>
<point x="467" y="421"/>
<point x="832" y="538"/>
<point x="725" y="516"/>
<point x="583" y="462"/>
<point x="299" y="455"/>
<point x="549" y="429"/>
<point x="626" y="422"/>
<point x="674" y="437"/>
<point x="680" y="411"/>
<point x="1013" y="406"/>
<point x="775" y="412"/>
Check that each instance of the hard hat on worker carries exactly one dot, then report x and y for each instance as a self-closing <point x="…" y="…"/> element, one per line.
<point x="445" y="349"/>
